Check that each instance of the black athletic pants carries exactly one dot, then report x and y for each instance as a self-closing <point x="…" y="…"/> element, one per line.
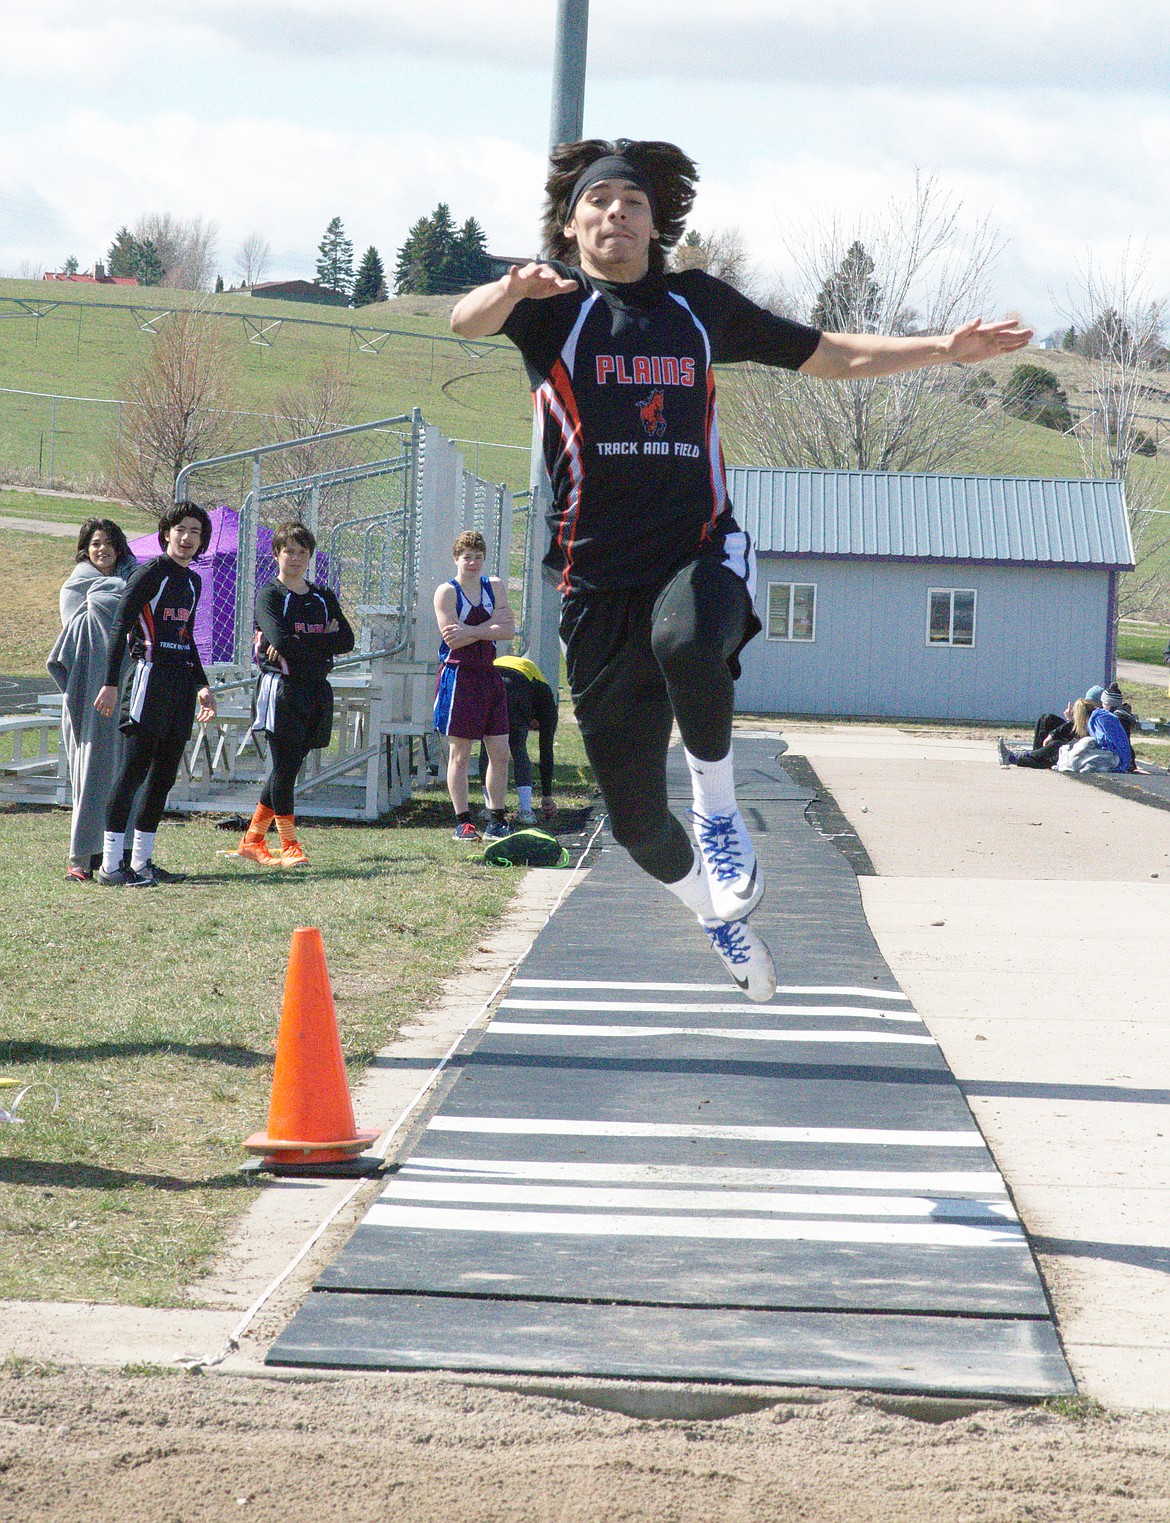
<point x="637" y="658"/>
<point x="153" y="760"/>
<point x="1052" y="732"/>
<point x="286" y="757"/>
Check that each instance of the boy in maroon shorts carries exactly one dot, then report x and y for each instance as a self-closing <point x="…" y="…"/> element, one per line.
<point x="472" y="613"/>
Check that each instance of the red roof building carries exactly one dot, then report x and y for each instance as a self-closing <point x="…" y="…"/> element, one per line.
<point x="95" y="277"/>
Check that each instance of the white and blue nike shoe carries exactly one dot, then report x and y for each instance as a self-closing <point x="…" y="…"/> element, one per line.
<point x="729" y="862"/>
<point x="745" y="955"/>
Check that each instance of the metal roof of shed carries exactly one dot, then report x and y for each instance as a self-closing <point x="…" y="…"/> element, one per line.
<point x="890" y="516"/>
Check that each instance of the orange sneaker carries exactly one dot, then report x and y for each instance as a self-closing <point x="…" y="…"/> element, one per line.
<point x="256" y="851"/>
<point x="293" y="856"/>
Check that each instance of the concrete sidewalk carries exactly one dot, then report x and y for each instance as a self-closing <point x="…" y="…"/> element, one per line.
<point x="1026" y="915"/>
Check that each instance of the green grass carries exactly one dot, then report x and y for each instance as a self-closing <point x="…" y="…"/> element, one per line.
<point x="84" y="350"/>
<point x="153" y="1016"/>
<point x="1143" y="642"/>
<point x="51" y="508"/>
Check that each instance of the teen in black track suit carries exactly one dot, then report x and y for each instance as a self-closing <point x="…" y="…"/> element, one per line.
<point x="161" y="692"/>
<point x="300" y="628"/>
<point x="656" y="575"/>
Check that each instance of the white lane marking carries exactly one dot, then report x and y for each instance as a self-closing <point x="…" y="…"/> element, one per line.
<point x="601" y="983"/>
<point x="854" y="1136"/>
<point x="566" y="1223"/>
<point x="564" y="1029"/>
<point x="820" y="1011"/>
<point x="777" y="1203"/>
<point x="929" y="1182"/>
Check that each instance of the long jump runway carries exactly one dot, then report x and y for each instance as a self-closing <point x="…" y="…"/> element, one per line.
<point x="638" y="1173"/>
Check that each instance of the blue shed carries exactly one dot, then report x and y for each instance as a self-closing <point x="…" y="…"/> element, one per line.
<point x="986" y="598"/>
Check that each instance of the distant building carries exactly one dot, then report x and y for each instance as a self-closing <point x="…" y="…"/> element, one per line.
<point x="985" y="598"/>
<point x="95" y="277"/>
<point x="300" y="290"/>
<point x="499" y="264"/>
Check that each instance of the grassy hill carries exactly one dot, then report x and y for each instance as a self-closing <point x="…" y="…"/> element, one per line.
<point x="88" y="344"/>
<point x="91" y="340"/>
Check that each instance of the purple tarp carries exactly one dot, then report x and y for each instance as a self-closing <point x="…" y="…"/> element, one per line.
<point x="215" y="616"/>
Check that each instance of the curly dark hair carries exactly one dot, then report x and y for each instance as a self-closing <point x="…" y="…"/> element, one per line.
<point x="176" y="513"/>
<point x="672" y="174"/>
<point x="90" y="527"/>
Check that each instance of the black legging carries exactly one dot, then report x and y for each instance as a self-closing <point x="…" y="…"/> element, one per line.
<point x="638" y="658"/>
<point x="1052" y="732"/>
<point x="286" y="757"/>
<point x="153" y="760"/>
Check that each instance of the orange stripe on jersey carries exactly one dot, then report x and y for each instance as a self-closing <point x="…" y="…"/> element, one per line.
<point x="555" y="398"/>
<point x="146" y="622"/>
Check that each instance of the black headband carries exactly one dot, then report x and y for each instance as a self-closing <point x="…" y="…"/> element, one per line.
<point x="614" y="167"/>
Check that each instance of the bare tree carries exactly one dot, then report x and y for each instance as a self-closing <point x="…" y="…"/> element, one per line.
<point x="252" y="259"/>
<point x="182" y="403"/>
<point x="187" y="249"/>
<point x="1120" y="325"/>
<point x="324" y="400"/>
<point x="913" y="269"/>
<point x="722" y="253"/>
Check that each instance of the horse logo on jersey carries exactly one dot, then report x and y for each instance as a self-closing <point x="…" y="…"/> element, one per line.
<point x="652" y="412"/>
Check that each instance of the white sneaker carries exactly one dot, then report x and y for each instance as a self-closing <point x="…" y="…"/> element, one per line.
<point x="729" y="861"/>
<point x="745" y="956"/>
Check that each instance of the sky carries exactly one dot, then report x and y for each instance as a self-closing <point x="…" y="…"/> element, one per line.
<point x="1050" y="118"/>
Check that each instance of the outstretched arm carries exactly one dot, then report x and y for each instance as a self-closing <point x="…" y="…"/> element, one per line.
<point x="485" y="310"/>
<point x="857" y="356"/>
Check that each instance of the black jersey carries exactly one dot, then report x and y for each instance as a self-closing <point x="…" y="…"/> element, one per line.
<point x="624" y="387"/>
<point x="294" y="624"/>
<point x="156" y="618"/>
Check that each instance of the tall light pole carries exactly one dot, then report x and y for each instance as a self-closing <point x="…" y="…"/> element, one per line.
<point x="566" y="125"/>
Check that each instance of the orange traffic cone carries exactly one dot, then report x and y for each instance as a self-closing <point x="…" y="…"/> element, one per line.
<point x="310" y="1118"/>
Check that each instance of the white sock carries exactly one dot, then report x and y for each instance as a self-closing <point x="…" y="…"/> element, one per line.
<point x="713" y="784"/>
<point x="143" y="847"/>
<point x="524" y="794"/>
<point x="113" y="845"/>
<point x="694" y="893"/>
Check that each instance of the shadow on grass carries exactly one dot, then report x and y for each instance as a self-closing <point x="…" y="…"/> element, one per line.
<point x="65" y="1175"/>
<point x="91" y="1052"/>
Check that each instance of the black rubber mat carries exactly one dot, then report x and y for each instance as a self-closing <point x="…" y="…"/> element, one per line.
<point x="637" y="1172"/>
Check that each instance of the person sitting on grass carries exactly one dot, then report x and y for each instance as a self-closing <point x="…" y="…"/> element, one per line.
<point x="300" y="628"/>
<point x="160" y="693"/>
<point x="472" y="613"/>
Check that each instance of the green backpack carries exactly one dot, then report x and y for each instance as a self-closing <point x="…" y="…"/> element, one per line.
<point x="526" y="848"/>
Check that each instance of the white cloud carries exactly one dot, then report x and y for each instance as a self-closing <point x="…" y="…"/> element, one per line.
<point x="1006" y="43"/>
<point x="94" y="174"/>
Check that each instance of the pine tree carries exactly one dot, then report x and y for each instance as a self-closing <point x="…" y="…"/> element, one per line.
<point x="370" y="284"/>
<point x="413" y="269"/>
<point x="122" y="258"/>
<point x="70" y="265"/>
<point x="850" y="300"/>
<point x="335" y="259"/>
<point x="148" y="265"/>
<point x="470" y="263"/>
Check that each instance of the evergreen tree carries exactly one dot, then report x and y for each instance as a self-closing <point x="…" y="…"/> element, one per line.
<point x="70" y="265"/>
<point x="335" y="259"/>
<point x="1035" y="394"/>
<point x="470" y="254"/>
<point x="218" y="284"/>
<point x="850" y="300"/>
<point x="370" y="284"/>
<point x="122" y="258"/>
<point x="148" y="265"/>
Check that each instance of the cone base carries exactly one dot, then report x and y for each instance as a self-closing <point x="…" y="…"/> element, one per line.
<point x="363" y="1166"/>
<point x="318" y="1150"/>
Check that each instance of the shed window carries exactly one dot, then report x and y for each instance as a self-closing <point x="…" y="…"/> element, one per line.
<point x="792" y="610"/>
<point x="951" y="616"/>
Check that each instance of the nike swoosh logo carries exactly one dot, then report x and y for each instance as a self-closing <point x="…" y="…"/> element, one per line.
<point x="747" y="893"/>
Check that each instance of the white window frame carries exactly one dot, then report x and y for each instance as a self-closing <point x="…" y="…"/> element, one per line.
<point x="790" y="638"/>
<point x="951" y="593"/>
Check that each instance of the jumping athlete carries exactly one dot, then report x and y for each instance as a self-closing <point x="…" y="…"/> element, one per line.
<point x="657" y="577"/>
<point x="472" y="613"/>
<point x="531" y="706"/>
<point x="299" y="629"/>
<point x="156" y="616"/>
